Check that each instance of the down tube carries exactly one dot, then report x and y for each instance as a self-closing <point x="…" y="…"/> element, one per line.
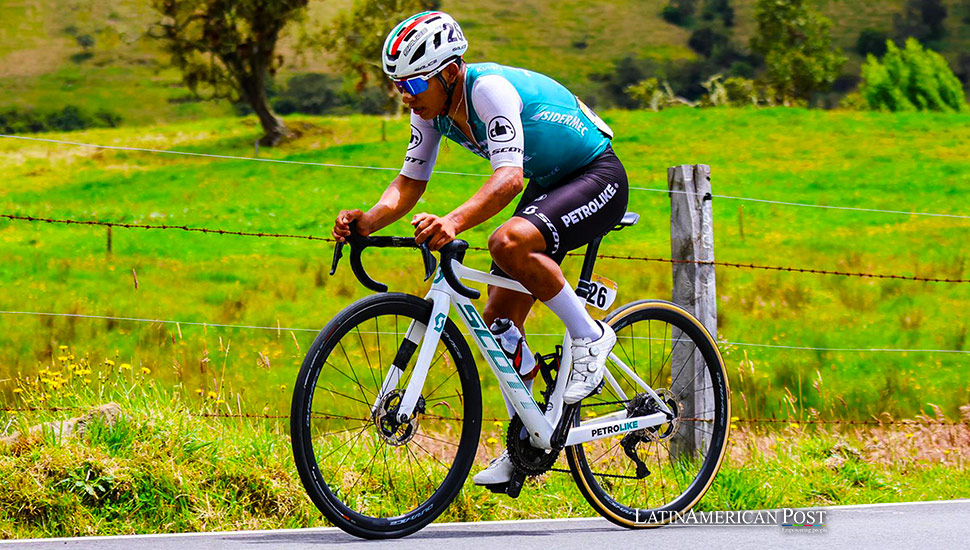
<point x="509" y="381"/>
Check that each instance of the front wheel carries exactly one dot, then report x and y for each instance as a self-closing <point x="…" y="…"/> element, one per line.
<point x="371" y="475"/>
<point x="644" y="478"/>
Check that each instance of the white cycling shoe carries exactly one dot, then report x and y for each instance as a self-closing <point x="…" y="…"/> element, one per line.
<point x="589" y="364"/>
<point x="500" y="470"/>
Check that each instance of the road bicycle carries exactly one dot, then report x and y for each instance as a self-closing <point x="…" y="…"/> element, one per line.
<point x="387" y="408"/>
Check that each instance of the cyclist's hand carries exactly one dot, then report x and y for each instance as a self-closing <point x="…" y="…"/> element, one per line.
<point x="437" y="231"/>
<point x="341" y="227"/>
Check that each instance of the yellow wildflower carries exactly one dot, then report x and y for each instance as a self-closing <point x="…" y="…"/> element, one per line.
<point x="220" y="401"/>
<point x="282" y="388"/>
<point x="62" y="358"/>
<point x="735" y="419"/>
<point x="125" y="366"/>
<point x="212" y="395"/>
<point x="71" y="357"/>
<point x="199" y="391"/>
<point x="63" y="348"/>
<point x="794" y="425"/>
<point x="491" y="441"/>
<point x="497" y="424"/>
<point x="87" y="380"/>
<point x="18" y="390"/>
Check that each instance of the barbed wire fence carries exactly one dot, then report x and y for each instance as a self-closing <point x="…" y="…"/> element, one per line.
<point x="923" y="421"/>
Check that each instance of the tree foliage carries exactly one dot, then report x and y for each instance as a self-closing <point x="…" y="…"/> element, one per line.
<point x="226" y="49"/>
<point x="921" y="19"/>
<point x="911" y="79"/>
<point x="796" y="43"/>
<point x="356" y="37"/>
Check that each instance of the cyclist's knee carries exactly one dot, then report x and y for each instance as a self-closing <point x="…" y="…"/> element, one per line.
<point x="514" y="237"/>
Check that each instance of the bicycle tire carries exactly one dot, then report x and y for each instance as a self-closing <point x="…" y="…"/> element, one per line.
<point x="601" y="489"/>
<point x="360" y="514"/>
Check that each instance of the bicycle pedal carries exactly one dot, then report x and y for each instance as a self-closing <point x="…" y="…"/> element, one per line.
<point x="515" y="485"/>
<point x="498" y="488"/>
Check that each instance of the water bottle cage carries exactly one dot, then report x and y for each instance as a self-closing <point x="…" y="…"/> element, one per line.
<point x="549" y="369"/>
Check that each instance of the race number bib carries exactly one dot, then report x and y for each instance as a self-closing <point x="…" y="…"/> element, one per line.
<point x="602" y="292"/>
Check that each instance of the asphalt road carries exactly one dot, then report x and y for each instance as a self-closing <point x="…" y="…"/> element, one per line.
<point x="925" y="525"/>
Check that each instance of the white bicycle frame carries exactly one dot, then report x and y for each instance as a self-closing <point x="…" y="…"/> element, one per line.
<point x="540" y="424"/>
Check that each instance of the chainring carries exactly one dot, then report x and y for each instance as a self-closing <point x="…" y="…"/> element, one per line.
<point x="526" y="458"/>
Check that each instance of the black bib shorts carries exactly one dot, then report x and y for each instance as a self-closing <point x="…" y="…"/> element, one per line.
<point x="588" y="203"/>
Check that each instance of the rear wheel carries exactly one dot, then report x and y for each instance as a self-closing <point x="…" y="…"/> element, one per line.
<point x="369" y="474"/>
<point x="640" y="479"/>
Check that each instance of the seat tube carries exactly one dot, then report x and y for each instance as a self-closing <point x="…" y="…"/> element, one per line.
<point x="592" y="249"/>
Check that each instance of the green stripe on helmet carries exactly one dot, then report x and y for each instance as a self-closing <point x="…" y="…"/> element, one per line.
<point x="401" y="25"/>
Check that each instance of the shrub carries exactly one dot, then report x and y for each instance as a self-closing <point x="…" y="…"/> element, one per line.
<point x="871" y="41"/>
<point x="911" y="79"/>
<point x="678" y="12"/>
<point x="67" y="119"/>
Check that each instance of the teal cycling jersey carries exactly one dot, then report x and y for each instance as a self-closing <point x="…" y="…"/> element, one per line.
<point x="560" y="134"/>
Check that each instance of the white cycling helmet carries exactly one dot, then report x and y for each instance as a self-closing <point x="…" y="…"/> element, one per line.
<point x="422" y="43"/>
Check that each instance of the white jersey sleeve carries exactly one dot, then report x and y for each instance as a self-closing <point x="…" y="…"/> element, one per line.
<point x="422" y="149"/>
<point x="499" y="106"/>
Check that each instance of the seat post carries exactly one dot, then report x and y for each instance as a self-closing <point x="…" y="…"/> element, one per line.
<point x="592" y="249"/>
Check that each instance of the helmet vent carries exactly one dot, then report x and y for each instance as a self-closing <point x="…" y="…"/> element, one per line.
<point x="437" y="39"/>
<point x="419" y="52"/>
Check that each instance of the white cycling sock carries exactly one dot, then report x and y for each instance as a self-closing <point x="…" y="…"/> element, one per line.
<point x="572" y="311"/>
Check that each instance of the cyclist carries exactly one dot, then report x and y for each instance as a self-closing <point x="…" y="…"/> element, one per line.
<point x="526" y="125"/>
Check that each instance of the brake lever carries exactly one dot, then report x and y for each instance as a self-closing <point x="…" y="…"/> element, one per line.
<point x="337" y="254"/>
<point x="430" y="263"/>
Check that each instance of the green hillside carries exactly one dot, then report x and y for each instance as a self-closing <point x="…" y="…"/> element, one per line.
<point x="866" y="160"/>
<point x="569" y="40"/>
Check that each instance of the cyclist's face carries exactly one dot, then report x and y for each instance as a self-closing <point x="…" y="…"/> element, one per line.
<point x="429" y="103"/>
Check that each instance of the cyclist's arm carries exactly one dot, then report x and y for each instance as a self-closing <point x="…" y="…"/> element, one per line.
<point x="499" y="106"/>
<point x="404" y="191"/>
<point x="398" y="199"/>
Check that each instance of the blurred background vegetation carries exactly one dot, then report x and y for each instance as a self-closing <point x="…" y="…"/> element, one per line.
<point x="84" y="63"/>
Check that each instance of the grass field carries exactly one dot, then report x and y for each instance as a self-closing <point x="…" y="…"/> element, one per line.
<point x="891" y="162"/>
<point x="165" y="466"/>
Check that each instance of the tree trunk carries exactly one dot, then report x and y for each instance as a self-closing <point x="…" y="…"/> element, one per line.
<point x="273" y="126"/>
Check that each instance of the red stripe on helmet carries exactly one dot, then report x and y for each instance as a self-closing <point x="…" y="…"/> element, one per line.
<point x="409" y="28"/>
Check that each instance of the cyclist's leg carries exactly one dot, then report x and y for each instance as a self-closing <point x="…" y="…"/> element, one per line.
<point x="586" y="205"/>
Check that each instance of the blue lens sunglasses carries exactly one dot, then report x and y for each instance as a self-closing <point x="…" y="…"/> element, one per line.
<point x="416" y="84"/>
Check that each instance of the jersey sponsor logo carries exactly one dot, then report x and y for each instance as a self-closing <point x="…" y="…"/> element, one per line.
<point x="415" y="160"/>
<point x="591" y="207"/>
<point x="500" y="129"/>
<point x="416" y="138"/>
<point x="573" y="122"/>
<point x="506" y="150"/>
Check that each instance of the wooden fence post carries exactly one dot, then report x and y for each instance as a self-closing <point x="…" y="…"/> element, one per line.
<point x="692" y="241"/>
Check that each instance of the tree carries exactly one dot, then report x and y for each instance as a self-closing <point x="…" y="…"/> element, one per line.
<point x="719" y="8"/>
<point x="911" y="79"/>
<point x="921" y="19"/>
<point x="356" y="37"/>
<point x="226" y="49"/>
<point x="797" y="48"/>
